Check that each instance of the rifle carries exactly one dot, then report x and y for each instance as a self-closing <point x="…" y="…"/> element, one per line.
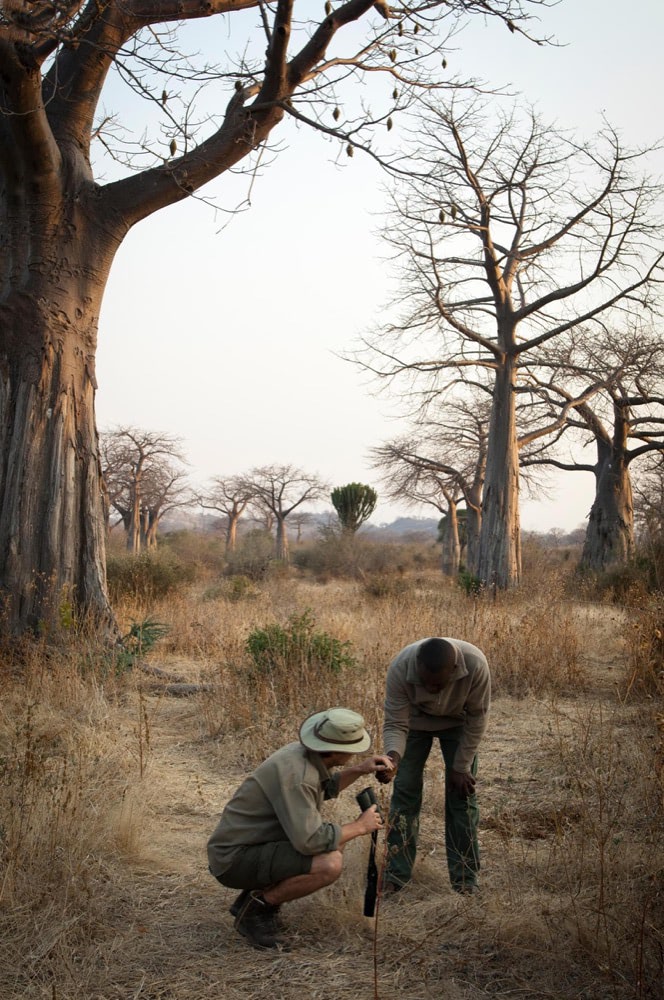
<point x="365" y="799"/>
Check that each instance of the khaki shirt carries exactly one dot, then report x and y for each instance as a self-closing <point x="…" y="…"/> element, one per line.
<point x="280" y="801"/>
<point x="465" y="701"/>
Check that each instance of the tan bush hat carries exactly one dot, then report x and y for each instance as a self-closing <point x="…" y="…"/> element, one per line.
<point x="338" y="730"/>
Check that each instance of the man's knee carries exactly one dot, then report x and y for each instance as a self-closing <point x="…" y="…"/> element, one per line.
<point x="328" y="866"/>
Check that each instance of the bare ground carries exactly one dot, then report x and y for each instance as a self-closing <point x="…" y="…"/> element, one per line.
<point x="172" y="937"/>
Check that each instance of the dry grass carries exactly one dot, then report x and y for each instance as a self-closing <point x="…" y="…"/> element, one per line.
<point x="109" y="789"/>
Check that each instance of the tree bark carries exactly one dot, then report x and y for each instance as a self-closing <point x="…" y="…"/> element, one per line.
<point x="609" y="537"/>
<point x="282" y="549"/>
<point x="54" y="264"/>
<point x="52" y="520"/>
<point x="451" y="554"/>
<point x="499" y="555"/>
<point x="231" y="532"/>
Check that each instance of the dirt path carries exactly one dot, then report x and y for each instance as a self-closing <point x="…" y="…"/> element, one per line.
<point x="180" y="944"/>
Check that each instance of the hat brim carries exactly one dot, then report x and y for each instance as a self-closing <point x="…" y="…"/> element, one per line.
<point x="312" y="742"/>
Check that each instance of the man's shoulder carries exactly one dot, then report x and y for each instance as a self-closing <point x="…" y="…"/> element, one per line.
<point x="474" y="659"/>
<point x="406" y="655"/>
<point x="290" y="752"/>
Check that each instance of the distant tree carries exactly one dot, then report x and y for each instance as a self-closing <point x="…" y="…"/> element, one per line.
<point x="140" y="475"/>
<point x="278" y="490"/>
<point x="354" y="504"/>
<point x="510" y="233"/>
<point x="623" y="419"/>
<point x="649" y="500"/>
<point x="165" y="488"/>
<point x="229" y="496"/>
<point x="300" y="519"/>
<point x="440" y="462"/>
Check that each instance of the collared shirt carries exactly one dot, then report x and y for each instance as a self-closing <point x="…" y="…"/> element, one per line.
<point x="280" y="801"/>
<point x="465" y="701"/>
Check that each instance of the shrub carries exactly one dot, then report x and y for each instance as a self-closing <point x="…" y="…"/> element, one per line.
<point x="470" y="583"/>
<point x="299" y="647"/>
<point x="253" y="557"/>
<point x="146" y="576"/>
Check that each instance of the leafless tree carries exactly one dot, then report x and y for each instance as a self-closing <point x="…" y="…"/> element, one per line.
<point x="165" y="490"/>
<point x="508" y="236"/>
<point x="229" y="496"/>
<point x="649" y="505"/>
<point x="623" y="421"/>
<point x="143" y="480"/>
<point x="442" y="462"/>
<point x="62" y="225"/>
<point x="280" y="490"/>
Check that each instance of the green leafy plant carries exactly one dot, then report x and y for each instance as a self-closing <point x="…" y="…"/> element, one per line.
<point x="140" y="638"/>
<point x="354" y="504"/>
<point x="470" y="583"/>
<point x="298" y="645"/>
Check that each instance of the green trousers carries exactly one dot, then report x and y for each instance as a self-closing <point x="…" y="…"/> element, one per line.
<point x="461" y="814"/>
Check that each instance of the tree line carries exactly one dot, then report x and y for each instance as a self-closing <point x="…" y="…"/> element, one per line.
<point x="146" y="480"/>
<point x="530" y="259"/>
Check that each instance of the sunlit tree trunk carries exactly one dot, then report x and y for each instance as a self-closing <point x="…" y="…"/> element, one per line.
<point x="231" y="531"/>
<point x="52" y="510"/>
<point x="499" y="558"/>
<point x="451" y="554"/>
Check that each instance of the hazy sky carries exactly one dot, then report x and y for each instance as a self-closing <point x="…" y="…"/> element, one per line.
<point x="228" y="335"/>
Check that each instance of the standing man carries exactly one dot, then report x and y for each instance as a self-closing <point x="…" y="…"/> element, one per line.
<point x="435" y="689"/>
<point x="272" y="842"/>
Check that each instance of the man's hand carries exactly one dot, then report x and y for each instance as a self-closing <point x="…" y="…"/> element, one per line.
<point x="370" y="820"/>
<point x="386" y="775"/>
<point x="463" y="782"/>
<point x="377" y="765"/>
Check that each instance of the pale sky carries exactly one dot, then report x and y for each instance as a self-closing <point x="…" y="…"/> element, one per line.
<point x="228" y="335"/>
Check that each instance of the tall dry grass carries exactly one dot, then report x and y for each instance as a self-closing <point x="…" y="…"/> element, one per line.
<point x="576" y="891"/>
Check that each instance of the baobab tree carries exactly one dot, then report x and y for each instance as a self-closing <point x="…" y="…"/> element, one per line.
<point x="143" y="481"/>
<point x="229" y="496"/>
<point x="165" y="490"/>
<point x="623" y="422"/>
<point x="279" y="490"/>
<point x="509" y="235"/>
<point x="442" y="462"/>
<point x="62" y="225"/>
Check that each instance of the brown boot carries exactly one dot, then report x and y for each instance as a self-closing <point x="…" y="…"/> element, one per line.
<point x="256" y="921"/>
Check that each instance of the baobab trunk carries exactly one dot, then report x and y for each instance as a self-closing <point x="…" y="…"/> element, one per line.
<point x="282" y="541"/>
<point x="499" y="556"/>
<point x="473" y="529"/>
<point x="609" y="537"/>
<point x="451" y="554"/>
<point x="231" y="532"/>
<point x="52" y="504"/>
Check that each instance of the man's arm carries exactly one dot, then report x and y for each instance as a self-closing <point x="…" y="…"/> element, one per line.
<point x="478" y="704"/>
<point x="377" y="765"/>
<point x="296" y="809"/>
<point x="367" y="822"/>
<point x="397" y="708"/>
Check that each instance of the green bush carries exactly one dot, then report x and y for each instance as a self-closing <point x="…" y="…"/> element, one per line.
<point x="146" y="576"/>
<point x="253" y="557"/>
<point x="470" y="583"/>
<point x="299" y="646"/>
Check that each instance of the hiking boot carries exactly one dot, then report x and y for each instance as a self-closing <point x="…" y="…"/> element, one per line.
<point x="256" y="921"/>
<point x="239" y="901"/>
<point x="466" y="888"/>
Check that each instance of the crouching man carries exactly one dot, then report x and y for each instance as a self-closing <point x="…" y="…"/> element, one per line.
<point x="272" y="842"/>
